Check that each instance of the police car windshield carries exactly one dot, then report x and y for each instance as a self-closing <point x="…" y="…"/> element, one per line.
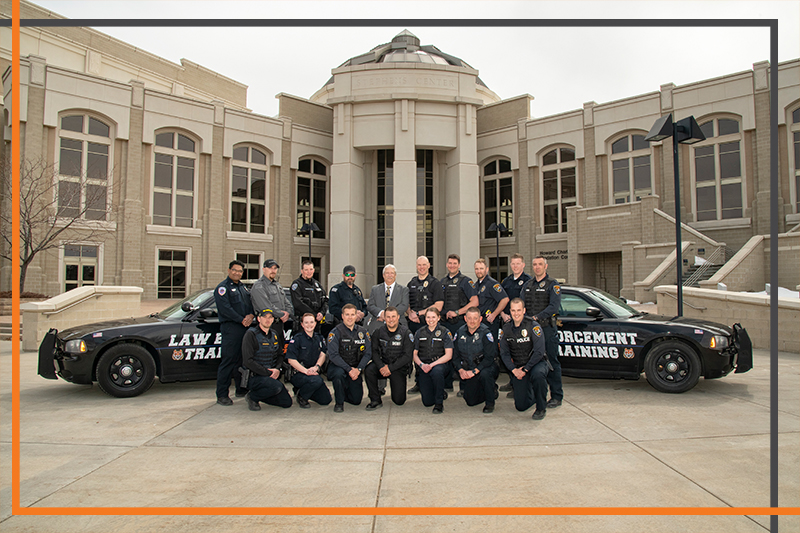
<point x="617" y="307"/>
<point x="174" y="311"/>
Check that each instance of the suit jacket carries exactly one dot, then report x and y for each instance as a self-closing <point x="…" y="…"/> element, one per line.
<point x="377" y="303"/>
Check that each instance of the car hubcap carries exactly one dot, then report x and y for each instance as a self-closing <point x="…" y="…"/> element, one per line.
<point x="673" y="367"/>
<point x="126" y="371"/>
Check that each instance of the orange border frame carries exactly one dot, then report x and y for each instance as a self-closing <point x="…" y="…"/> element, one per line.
<point x="17" y="509"/>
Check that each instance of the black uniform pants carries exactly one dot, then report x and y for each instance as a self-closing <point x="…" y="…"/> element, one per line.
<point x="397" y="383"/>
<point x="312" y="388"/>
<point x="268" y="390"/>
<point x="482" y="387"/>
<point x="531" y="389"/>
<point x="431" y="385"/>
<point x="231" y="360"/>
<point x="554" y="376"/>
<point x="344" y="388"/>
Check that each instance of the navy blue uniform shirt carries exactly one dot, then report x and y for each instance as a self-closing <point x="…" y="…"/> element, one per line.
<point x="233" y="301"/>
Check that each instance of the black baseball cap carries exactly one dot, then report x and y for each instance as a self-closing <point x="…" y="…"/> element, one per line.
<point x="263" y="312"/>
<point x="269" y="263"/>
<point x="349" y="268"/>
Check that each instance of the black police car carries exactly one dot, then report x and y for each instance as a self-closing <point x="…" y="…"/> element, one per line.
<point x="603" y="337"/>
<point x="180" y="343"/>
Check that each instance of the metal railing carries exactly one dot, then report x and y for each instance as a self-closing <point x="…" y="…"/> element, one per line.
<point x="702" y="269"/>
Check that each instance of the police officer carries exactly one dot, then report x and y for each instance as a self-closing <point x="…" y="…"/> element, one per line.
<point x="542" y="296"/>
<point x="392" y="347"/>
<point x="522" y="351"/>
<point x="267" y="292"/>
<point x="308" y="296"/>
<point x="513" y="284"/>
<point x="349" y="351"/>
<point x="492" y="298"/>
<point x="424" y="291"/>
<point x="433" y="350"/>
<point x="475" y="352"/>
<point x="235" y="316"/>
<point x="347" y="292"/>
<point x="459" y="295"/>
<point x="306" y="355"/>
<point x="262" y="355"/>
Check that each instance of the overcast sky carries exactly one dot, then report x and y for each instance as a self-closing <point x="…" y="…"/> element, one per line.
<point x="561" y="67"/>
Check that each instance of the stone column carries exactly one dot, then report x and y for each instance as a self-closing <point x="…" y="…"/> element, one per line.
<point x="591" y="181"/>
<point x="463" y="193"/>
<point x="131" y="230"/>
<point x="214" y="265"/>
<point x="347" y="198"/>
<point x="405" y="191"/>
<point x="761" y="204"/>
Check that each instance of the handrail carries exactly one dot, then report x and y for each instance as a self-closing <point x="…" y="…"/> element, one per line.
<point x="73" y="304"/>
<point x="702" y="269"/>
<point x="684" y="302"/>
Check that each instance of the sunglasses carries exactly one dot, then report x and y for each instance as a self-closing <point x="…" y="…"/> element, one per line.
<point x="350" y="275"/>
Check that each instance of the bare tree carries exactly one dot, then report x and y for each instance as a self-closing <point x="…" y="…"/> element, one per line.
<point x="53" y="211"/>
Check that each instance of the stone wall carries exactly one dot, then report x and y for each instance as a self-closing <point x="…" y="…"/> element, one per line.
<point x="83" y="305"/>
<point x="751" y="310"/>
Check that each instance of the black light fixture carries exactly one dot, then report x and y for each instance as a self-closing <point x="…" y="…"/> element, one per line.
<point x="309" y="228"/>
<point x="685" y="131"/>
<point x="498" y="228"/>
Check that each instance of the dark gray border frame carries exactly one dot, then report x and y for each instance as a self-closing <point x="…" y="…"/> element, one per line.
<point x="772" y="24"/>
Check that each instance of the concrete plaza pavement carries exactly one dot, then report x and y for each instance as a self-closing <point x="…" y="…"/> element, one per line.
<point x="612" y="443"/>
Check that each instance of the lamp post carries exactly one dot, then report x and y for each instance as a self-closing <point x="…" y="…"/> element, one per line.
<point x="498" y="228"/>
<point x="309" y="228"/>
<point x="685" y="131"/>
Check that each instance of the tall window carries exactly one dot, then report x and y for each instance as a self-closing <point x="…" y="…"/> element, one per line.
<point x="174" y="180"/>
<point x="630" y="168"/>
<point x="172" y="273"/>
<point x="559" y="175"/>
<point x="498" y="203"/>
<point x="312" y="183"/>
<point x="248" y="190"/>
<point x="385" y="215"/>
<point x="425" y="204"/>
<point x="795" y="138"/>
<point x="718" y="171"/>
<point x="83" y="167"/>
<point x="252" y="267"/>
<point x="80" y="266"/>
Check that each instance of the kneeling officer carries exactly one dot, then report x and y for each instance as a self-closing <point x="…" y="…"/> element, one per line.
<point x="261" y="355"/>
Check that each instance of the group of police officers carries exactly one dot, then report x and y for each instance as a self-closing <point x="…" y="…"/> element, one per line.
<point x="453" y="328"/>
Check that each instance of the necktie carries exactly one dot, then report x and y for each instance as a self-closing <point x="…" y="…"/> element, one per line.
<point x="388" y="294"/>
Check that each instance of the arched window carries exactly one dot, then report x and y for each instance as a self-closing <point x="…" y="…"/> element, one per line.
<point x="718" y="171"/>
<point x="794" y="139"/>
<point x="559" y="178"/>
<point x="248" y="190"/>
<point x="630" y="169"/>
<point x="174" y="180"/>
<point x="312" y="195"/>
<point x="498" y="197"/>
<point x="84" y="167"/>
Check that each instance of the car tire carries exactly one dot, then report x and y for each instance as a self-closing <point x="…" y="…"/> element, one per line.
<point x="672" y="366"/>
<point x="125" y="370"/>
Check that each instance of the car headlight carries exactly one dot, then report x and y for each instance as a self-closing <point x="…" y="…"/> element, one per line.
<point x="75" y="346"/>
<point x="718" y="342"/>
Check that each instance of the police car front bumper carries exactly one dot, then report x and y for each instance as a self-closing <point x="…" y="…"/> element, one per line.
<point x="54" y="362"/>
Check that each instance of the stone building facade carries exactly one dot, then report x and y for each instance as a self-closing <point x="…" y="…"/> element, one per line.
<point x="405" y="151"/>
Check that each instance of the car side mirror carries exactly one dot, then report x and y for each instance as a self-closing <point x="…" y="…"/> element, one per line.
<point x="186" y="307"/>
<point x="207" y="313"/>
<point x="593" y="312"/>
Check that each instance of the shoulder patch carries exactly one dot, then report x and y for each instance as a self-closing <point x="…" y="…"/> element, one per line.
<point x="537" y="330"/>
<point x="221" y="291"/>
<point x="472" y="284"/>
<point x="330" y="336"/>
<point x="490" y="337"/>
<point x="294" y="286"/>
<point x="335" y="289"/>
<point x="410" y="336"/>
<point x="557" y="289"/>
<point x="497" y="287"/>
<point x="500" y="335"/>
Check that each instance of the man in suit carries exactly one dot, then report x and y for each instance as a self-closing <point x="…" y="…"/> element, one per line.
<point x="383" y="295"/>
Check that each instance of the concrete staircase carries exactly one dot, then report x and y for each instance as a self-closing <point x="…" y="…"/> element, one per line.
<point x="6" y="330"/>
<point x="695" y="280"/>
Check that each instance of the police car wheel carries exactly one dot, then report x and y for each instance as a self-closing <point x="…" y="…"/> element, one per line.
<point x="125" y="370"/>
<point x="672" y="366"/>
